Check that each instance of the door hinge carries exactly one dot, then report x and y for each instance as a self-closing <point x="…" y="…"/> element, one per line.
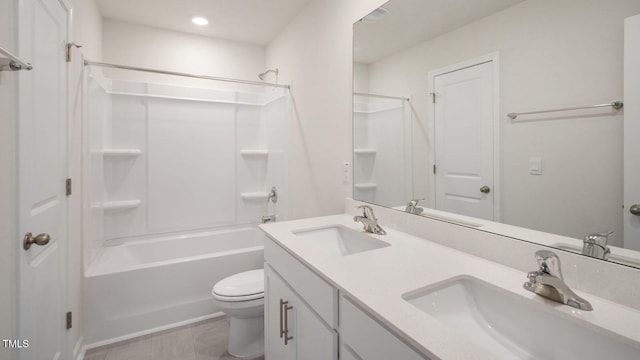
<point x="434" y="168"/>
<point x="68" y="186"/>
<point x="433" y="97"/>
<point x="69" y="320"/>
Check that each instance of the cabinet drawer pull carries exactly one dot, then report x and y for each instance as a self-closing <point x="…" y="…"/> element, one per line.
<point x="282" y="305"/>
<point x="287" y="338"/>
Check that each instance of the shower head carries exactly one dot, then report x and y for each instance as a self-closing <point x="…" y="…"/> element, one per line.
<point x="264" y="74"/>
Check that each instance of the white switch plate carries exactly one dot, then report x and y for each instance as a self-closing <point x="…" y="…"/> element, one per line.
<point x="535" y="165"/>
<point x="346" y="172"/>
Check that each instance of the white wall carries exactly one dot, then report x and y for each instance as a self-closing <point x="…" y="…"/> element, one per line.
<point x="582" y="156"/>
<point x="143" y="46"/>
<point x="87" y="31"/>
<point x="8" y="243"/>
<point x="314" y="54"/>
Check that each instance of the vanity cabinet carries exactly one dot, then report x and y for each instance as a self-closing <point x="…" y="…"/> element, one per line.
<point x="301" y="317"/>
<point x="362" y="337"/>
<point x="300" y="323"/>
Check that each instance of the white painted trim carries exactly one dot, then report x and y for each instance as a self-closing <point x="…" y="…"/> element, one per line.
<point x="151" y="331"/>
<point x="79" y="349"/>
<point x="68" y="7"/>
<point x="497" y="133"/>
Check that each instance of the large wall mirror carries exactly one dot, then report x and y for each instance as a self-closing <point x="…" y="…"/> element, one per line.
<point x="497" y="113"/>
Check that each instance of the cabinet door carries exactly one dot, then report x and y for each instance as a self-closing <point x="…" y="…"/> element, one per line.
<point x="366" y="339"/>
<point x="306" y="336"/>
<point x="315" y="340"/>
<point x="275" y="291"/>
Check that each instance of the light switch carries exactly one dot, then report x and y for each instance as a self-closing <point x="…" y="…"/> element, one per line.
<point x="535" y="165"/>
<point x="346" y="172"/>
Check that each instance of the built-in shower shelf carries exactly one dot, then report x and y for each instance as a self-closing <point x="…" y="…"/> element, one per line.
<point x="121" y="152"/>
<point x="120" y="205"/>
<point x="364" y="151"/>
<point x="254" y="153"/>
<point x="254" y="195"/>
<point x="365" y="186"/>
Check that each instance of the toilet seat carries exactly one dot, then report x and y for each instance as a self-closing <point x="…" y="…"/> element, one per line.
<point x="245" y="286"/>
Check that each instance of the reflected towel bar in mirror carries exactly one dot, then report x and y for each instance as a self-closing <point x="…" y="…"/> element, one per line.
<point x="617" y="105"/>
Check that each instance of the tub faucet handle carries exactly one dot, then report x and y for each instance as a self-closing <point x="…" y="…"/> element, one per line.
<point x="268" y="219"/>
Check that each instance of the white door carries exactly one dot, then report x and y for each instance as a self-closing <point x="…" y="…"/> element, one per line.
<point x="464" y="140"/>
<point x="632" y="133"/>
<point x="42" y="170"/>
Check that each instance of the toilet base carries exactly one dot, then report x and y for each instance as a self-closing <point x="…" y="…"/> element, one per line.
<point x="246" y="336"/>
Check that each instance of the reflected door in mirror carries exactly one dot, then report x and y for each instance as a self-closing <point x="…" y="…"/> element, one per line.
<point x="463" y="136"/>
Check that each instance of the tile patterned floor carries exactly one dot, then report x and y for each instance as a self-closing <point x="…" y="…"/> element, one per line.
<point x="205" y="340"/>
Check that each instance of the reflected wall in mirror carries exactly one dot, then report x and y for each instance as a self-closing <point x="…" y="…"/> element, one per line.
<point x="465" y="65"/>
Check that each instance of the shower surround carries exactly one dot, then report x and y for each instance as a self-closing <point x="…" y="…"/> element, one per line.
<point x="176" y="179"/>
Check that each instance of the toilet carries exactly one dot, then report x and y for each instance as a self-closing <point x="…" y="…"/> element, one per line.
<point x="241" y="296"/>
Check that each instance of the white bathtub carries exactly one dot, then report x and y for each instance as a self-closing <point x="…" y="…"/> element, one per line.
<point x="149" y="285"/>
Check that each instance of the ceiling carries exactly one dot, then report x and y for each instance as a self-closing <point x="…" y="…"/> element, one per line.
<point x="253" y="21"/>
<point x="411" y="22"/>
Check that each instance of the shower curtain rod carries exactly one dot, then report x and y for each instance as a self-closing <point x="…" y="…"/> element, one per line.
<point x="382" y="96"/>
<point x="205" y="77"/>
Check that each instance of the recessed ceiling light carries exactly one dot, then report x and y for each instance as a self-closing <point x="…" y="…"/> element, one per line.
<point x="200" y="21"/>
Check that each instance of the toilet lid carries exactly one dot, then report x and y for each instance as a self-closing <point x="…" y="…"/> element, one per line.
<point x="241" y="285"/>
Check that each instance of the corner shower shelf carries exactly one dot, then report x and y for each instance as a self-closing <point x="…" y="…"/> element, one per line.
<point x="364" y="151"/>
<point x="254" y="195"/>
<point x="121" y="152"/>
<point x="365" y="186"/>
<point x="254" y="153"/>
<point x="120" y="205"/>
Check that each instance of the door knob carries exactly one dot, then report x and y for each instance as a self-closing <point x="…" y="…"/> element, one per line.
<point x="40" y="239"/>
<point x="485" y="189"/>
<point x="635" y="209"/>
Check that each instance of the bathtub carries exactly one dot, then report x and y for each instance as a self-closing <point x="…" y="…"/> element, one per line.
<point x="144" y="286"/>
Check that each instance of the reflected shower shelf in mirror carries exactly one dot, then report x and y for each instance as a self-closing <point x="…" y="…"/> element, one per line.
<point x="365" y="186"/>
<point x="120" y="205"/>
<point x="254" y="195"/>
<point x="364" y="151"/>
<point x="121" y="152"/>
<point x="254" y="153"/>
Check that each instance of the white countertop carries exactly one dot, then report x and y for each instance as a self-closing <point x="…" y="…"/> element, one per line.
<point x="377" y="279"/>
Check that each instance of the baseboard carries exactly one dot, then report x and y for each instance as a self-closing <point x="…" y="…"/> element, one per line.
<point x="150" y="331"/>
<point x="79" y="349"/>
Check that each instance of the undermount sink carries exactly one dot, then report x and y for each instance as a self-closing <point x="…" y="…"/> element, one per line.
<point x="338" y="241"/>
<point x="514" y="327"/>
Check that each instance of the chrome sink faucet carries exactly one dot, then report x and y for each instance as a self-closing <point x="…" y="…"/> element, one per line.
<point x="413" y="208"/>
<point x="368" y="219"/>
<point x="595" y="245"/>
<point x="548" y="282"/>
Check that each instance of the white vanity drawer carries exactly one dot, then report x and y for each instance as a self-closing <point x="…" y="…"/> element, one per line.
<point x="367" y="339"/>
<point x="322" y="297"/>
